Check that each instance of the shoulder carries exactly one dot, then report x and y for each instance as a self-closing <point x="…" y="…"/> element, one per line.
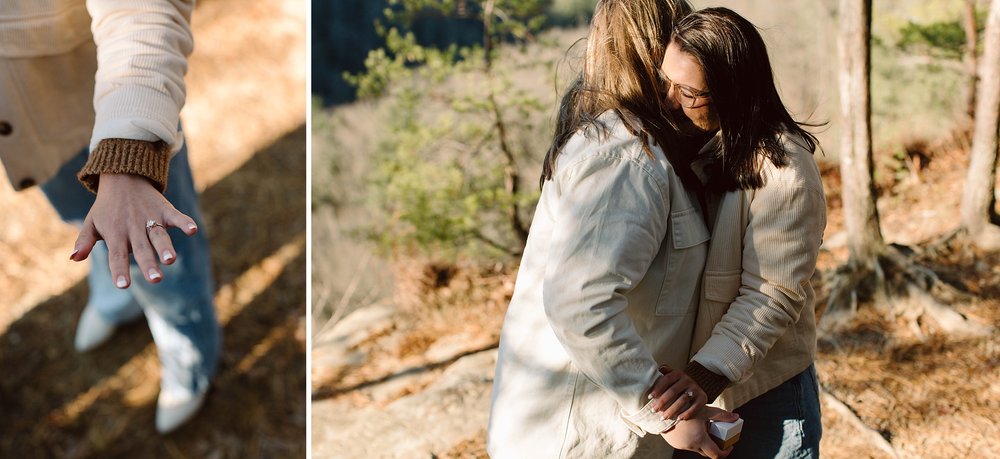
<point x="800" y="170"/>
<point x="611" y="143"/>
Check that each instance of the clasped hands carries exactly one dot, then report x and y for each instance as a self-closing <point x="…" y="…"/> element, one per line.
<point x="676" y="396"/>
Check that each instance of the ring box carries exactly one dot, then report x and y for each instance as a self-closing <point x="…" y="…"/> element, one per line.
<point x="725" y="434"/>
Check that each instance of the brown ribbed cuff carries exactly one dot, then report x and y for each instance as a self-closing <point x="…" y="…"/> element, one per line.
<point x="711" y="383"/>
<point x="126" y="156"/>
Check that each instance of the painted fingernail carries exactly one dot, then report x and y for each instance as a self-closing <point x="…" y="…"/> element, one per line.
<point x="167" y="256"/>
<point x="121" y="283"/>
<point x="192" y="226"/>
<point x="153" y="274"/>
<point x="76" y="251"/>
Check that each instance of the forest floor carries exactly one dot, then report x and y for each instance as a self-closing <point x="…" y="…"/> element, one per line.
<point x="408" y="366"/>
<point x="245" y="126"/>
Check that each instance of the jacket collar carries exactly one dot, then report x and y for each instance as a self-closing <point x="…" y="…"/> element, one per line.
<point x="707" y="160"/>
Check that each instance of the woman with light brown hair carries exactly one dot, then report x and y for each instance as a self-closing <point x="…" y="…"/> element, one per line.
<point x="608" y="284"/>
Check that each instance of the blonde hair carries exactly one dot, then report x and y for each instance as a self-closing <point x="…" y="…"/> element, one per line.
<point x="620" y="73"/>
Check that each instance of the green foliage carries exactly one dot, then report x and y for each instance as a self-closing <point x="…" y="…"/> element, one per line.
<point x="947" y="38"/>
<point x="438" y="185"/>
<point x="942" y="38"/>
<point x="401" y="58"/>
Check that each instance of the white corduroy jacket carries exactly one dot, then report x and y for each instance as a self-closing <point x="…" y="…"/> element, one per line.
<point x="606" y="292"/>
<point x="756" y="321"/>
<point x="73" y="71"/>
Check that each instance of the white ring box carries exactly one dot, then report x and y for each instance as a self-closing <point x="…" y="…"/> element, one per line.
<point x="725" y="434"/>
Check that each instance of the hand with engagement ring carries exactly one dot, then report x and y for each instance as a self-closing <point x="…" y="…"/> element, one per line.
<point x="676" y="395"/>
<point x="130" y="215"/>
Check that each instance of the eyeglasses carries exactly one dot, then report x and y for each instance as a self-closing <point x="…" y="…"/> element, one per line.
<point x="685" y="95"/>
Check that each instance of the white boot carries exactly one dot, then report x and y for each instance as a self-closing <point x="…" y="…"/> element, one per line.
<point x="174" y="408"/>
<point x="105" y="301"/>
<point x="93" y="329"/>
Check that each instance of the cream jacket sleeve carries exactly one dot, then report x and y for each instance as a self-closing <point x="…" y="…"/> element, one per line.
<point x="612" y="217"/>
<point x="780" y="246"/>
<point x="142" y="49"/>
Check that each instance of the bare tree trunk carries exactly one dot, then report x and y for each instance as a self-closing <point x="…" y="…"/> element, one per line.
<point x="971" y="40"/>
<point x="864" y="238"/>
<point x="511" y="173"/>
<point x="978" y="198"/>
<point x="885" y="274"/>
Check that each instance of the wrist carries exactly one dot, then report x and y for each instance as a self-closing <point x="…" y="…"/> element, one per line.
<point x="713" y="384"/>
<point x="114" y="180"/>
<point x="150" y="160"/>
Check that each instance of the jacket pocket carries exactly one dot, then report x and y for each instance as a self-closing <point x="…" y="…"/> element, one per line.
<point x="684" y="262"/>
<point x="723" y="287"/>
<point x="720" y="290"/>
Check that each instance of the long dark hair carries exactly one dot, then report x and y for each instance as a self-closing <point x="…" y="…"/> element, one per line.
<point x="625" y="46"/>
<point x="752" y="117"/>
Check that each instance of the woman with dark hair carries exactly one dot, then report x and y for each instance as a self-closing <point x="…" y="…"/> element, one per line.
<point x="608" y="284"/>
<point x="755" y="337"/>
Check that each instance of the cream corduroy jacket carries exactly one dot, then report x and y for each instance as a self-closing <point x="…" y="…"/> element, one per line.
<point x="606" y="292"/>
<point x="75" y="71"/>
<point x="756" y="321"/>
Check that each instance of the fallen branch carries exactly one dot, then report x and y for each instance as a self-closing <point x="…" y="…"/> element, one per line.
<point x="852" y="418"/>
<point x="324" y="392"/>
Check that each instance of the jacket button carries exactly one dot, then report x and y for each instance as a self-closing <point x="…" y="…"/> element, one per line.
<point x="5" y="128"/>
<point x="27" y="183"/>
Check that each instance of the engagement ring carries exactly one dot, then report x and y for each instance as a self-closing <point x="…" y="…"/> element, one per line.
<point x="151" y="223"/>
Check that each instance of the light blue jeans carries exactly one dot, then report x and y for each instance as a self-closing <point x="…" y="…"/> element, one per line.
<point x="178" y="309"/>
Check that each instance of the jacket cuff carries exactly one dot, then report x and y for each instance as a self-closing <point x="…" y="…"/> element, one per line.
<point x="647" y="421"/>
<point x="711" y="383"/>
<point x="126" y="156"/>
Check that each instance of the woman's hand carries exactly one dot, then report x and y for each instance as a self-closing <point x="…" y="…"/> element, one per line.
<point x="130" y="215"/>
<point x="692" y="435"/>
<point x="676" y="395"/>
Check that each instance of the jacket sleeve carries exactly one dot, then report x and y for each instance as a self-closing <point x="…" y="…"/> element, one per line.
<point x="142" y="50"/>
<point x="780" y="247"/>
<point x="610" y="220"/>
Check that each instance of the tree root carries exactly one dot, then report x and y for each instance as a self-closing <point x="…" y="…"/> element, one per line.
<point x="947" y="242"/>
<point x="844" y="411"/>
<point x="988" y="239"/>
<point x="898" y="285"/>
